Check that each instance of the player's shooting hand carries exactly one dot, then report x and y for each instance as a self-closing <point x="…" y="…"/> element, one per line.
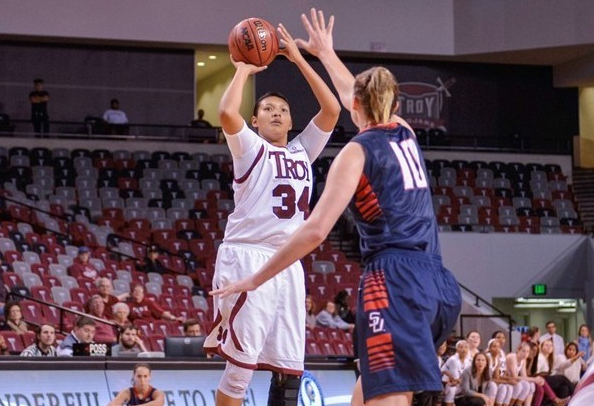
<point x="320" y="35"/>
<point x="251" y="69"/>
<point x="244" y="285"/>
<point x="289" y="47"/>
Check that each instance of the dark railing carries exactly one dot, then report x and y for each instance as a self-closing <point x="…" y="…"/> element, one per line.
<point x="62" y="311"/>
<point x="93" y="128"/>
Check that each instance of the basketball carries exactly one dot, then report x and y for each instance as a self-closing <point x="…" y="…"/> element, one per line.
<point x="253" y="41"/>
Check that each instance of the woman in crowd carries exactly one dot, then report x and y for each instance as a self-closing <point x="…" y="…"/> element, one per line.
<point x="104" y="333"/>
<point x="476" y="387"/>
<point x="141" y="392"/>
<point x="120" y="312"/>
<point x="452" y="372"/>
<point x="519" y="365"/>
<point x="584" y="342"/>
<point x="474" y="341"/>
<point x="549" y="365"/>
<point x="574" y="363"/>
<point x="14" y="319"/>
<point x="497" y="369"/>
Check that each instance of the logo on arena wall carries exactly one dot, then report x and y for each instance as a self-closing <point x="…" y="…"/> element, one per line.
<point x="421" y="104"/>
<point x="310" y="391"/>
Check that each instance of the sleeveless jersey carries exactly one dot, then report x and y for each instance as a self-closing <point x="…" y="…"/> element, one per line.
<point x="392" y="204"/>
<point x="272" y="196"/>
<point x="134" y="400"/>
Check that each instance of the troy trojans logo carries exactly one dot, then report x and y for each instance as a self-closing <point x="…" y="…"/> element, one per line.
<point x="421" y="104"/>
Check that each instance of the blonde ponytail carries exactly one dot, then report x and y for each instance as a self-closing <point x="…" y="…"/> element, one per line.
<point x="377" y="92"/>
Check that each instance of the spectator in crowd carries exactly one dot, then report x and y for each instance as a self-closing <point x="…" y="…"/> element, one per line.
<point x="584" y="342"/>
<point x="152" y="262"/>
<point x="533" y="334"/>
<point x="81" y="265"/>
<point x="549" y="365"/>
<point x="452" y="372"/>
<point x="3" y="295"/>
<point x="104" y="333"/>
<point x="4" y="350"/>
<point x="551" y="334"/>
<point x="310" y="311"/>
<point x="105" y="288"/>
<point x="476" y="383"/>
<point x="83" y="332"/>
<point x="474" y="341"/>
<point x="200" y="122"/>
<point x="192" y="328"/>
<point x="141" y="392"/>
<point x="328" y="318"/>
<point x="498" y="368"/>
<point x="120" y="314"/>
<point x="343" y="308"/>
<point x="572" y="364"/>
<point x="143" y="308"/>
<point x="542" y="388"/>
<point x="116" y="118"/>
<point x="44" y="345"/>
<point x="515" y="371"/>
<point x="39" y="115"/>
<point x="14" y="319"/>
<point x="502" y="337"/>
<point x="130" y="344"/>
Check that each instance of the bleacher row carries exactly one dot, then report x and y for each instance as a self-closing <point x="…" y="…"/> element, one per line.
<point x="502" y="197"/>
<point x="118" y="203"/>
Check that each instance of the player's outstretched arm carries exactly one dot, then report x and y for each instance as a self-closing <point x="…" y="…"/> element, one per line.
<point x="229" y="116"/>
<point x="341" y="185"/>
<point x="327" y="117"/>
<point x="121" y="399"/>
<point x="321" y="44"/>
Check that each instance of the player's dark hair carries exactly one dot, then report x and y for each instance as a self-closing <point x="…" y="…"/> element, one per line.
<point x="264" y="96"/>
<point x="38" y="80"/>
<point x="189" y="323"/>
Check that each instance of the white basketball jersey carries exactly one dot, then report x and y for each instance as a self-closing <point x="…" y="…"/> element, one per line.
<point x="272" y="196"/>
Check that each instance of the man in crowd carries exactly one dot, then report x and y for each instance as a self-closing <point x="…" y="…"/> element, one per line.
<point x="83" y="332"/>
<point x="45" y="339"/>
<point x="130" y="344"/>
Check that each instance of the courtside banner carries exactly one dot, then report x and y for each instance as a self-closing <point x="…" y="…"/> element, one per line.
<point x="181" y="388"/>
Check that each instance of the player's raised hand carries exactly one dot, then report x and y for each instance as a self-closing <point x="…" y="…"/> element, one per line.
<point x="244" y="285"/>
<point x="320" y="34"/>
<point x="290" y="49"/>
<point x="252" y="69"/>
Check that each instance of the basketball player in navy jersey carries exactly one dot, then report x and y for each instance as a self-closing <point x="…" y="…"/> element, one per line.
<point x="141" y="392"/>
<point x="408" y="302"/>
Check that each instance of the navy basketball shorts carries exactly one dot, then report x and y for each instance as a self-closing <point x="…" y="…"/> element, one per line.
<point x="408" y="304"/>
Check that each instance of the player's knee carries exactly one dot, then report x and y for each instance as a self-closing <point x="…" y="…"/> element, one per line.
<point x="284" y="390"/>
<point x="235" y="381"/>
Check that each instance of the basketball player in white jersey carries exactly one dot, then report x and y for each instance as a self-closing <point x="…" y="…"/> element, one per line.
<point x="265" y="328"/>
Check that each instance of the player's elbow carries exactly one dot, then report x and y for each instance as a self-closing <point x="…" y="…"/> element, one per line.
<point x="317" y="235"/>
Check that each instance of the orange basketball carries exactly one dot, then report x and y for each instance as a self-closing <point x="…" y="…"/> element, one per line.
<point x="253" y="41"/>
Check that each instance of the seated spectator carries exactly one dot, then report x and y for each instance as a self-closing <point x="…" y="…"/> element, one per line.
<point x="105" y="287"/>
<point x="143" y="308"/>
<point x="192" y="328"/>
<point x="120" y="314"/>
<point x="534" y="334"/>
<point x="452" y="372"/>
<point x="474" y="341"/>
<point x="310" y="311"/>
<point x="476" y="383"/>
<point x="130" y="344"/>
<point x="116" y="118"/>
<point x="329" y="318"/>
<point x="104" y="333"/>
<point x="584" y="342"/>
<point x="45" y="341"/>
<point x="81" y="265"/>
<point x="571" y="364"/>
<point x="14" y="319"/>
<point x="549" y="365"/>
<point x="4" y="350"/>
<point x="83" y="332"/>
<point x="152" y="262"/>
<point x="343" y="307"/>
<point x="200" y="122"/>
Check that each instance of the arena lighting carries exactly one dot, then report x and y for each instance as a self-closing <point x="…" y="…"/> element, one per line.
<point x="530" y="303"/>
<point x="201" y="64"/>
<point x="212" y="57"/>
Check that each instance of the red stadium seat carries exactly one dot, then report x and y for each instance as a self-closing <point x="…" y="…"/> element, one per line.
<point x="32" y="312"/>
<point x="41" y="293"/>
<point x="13" y="341"/>
<point x="157" y="342"/>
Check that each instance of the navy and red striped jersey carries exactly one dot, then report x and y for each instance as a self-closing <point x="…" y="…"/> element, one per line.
<point x="392" y="205"/>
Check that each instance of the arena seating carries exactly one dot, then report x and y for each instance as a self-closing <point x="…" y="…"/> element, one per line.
<point x="117" y="203"/>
